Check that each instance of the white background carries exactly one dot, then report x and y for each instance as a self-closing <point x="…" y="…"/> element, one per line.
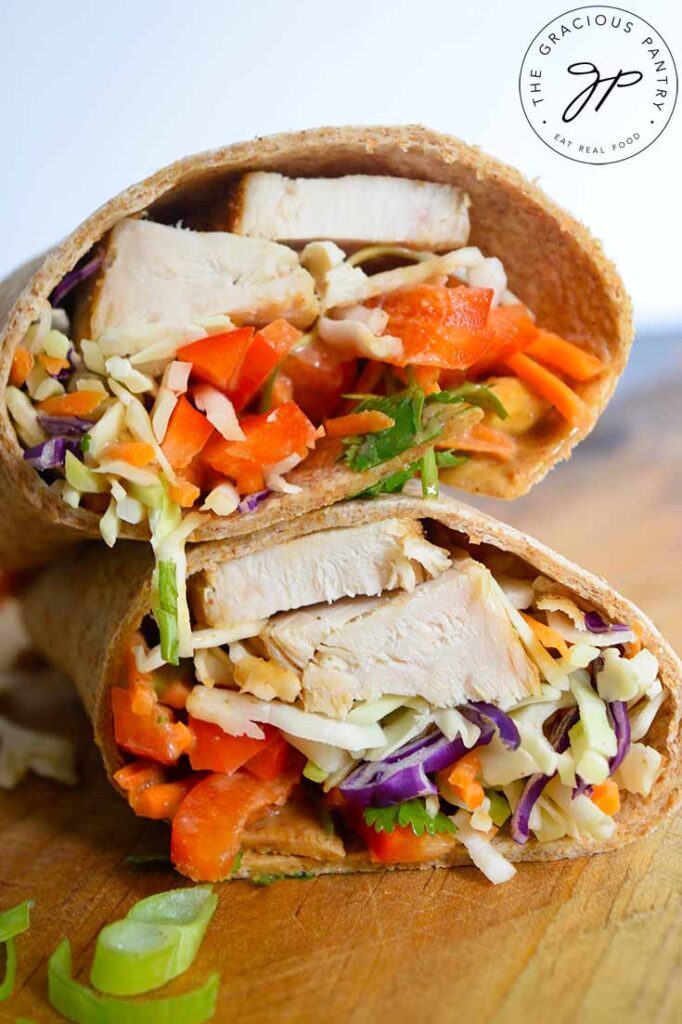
<point x="97" y="95"/>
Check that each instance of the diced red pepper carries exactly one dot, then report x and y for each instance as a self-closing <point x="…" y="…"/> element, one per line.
<point x="271" y="761"/>
<point x="401" y="846"/>
<point x="208" y="826"/>
<point x="439" y="326"/>
<point x="269" y="346"/>
<point x="319" y="378"/>
<point x="215" y="750"/>
<point x="162" y="800"/>
<point x="217" y="359"/>
<point x="513" y="330"/>
<point x="270" y="437"/>
<point x="187" y="433"/>
<point x="154" y="734"/>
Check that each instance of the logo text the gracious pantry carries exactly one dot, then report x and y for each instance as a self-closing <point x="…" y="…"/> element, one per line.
<point x="598" y="84"/>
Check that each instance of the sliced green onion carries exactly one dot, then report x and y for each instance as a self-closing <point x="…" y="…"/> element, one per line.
<point x="15" y="921"/>
<point x="81" y="1005"/>
<point x="429" y="473"/>
<point x="7" y="983"/>
<point x="157" y="941"/>
<point x="12" y="923"/>
<point x="312" y="772"/>
<point x="372" y="252"/>
<point x="166" y="613"/>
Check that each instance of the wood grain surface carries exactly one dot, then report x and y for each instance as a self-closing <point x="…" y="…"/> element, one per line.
<point x="593" y="940"/>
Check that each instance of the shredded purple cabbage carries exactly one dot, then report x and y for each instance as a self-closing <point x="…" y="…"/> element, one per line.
<point x="596" y="624"/>
<point x="559" y="738"/>
<point x="68" y="425"/>
<point x="251" y="502"/>
<point x="403" y="774"/>
<point x="484" y="715"/>
<point x="74" y="277"/>
<point x="618" y="710"/>
<point x="51" y="454"/>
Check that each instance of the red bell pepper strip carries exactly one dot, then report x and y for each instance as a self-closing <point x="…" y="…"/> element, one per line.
<point x="439" y="326"/>
<point x="269" y="346"/>
<point x="207" y="828"/>
<point x="217" y="359"/>
<point x="215" y="750"/>
<point x="187" y="433"/>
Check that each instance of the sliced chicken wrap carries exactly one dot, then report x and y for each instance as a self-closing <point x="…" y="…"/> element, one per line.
<point x="263" y="330"/>
<point x="394" y="683"/>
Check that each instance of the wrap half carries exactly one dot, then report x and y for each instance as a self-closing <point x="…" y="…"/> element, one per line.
<point x="281" y="274"/>
<point x="391" y="683"/>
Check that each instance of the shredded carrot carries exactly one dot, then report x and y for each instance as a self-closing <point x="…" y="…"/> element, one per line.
<point x="463" y="780"/>
<point x="184" y="493"/>
<point x="368" y="422"/>
<point x="484" y="439"/>
<point x="176" y="693"/>
<point x="136" y="453"/>
<point x="551" y="387"/>
<point x="563" y="355"/>
<point x="53" y="364"/>
<point x="606" y="797"/>
<point x="634" y="646"/>
<point x="22" y="364"/>
<point x="161" y="800"/>
<point x="77" y="403"/>
<point x="547" y="636"/>
<point x="427" y="378"/>
<point x="139" y="774"/>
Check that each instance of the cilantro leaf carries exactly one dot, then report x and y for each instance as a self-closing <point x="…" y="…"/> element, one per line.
<point x="481" y="395"/>
<point x="415" y="421"/>
<point x="391" y="484"/>
<point x="410" y="812"/>
<point x="405" y="409"/>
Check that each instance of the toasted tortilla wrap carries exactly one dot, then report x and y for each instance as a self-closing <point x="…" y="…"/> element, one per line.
<point x="415" y="608"/>
<point x="552" y="265"/>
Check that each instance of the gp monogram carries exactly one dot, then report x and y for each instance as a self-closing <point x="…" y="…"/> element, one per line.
<point x="598" y="84"/>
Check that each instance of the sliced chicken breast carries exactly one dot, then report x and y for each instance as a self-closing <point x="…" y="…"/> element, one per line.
<point x="449" y="640"/>
<point x="353" y="210"/>
<point x="324" y="566"/>
<point x="153" y="272"/>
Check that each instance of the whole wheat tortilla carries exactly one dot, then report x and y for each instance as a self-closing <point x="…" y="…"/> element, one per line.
<point x="81" y="614"/>
<point x="552" y="262"/>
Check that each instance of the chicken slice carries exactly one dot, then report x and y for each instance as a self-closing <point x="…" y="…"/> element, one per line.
<point x="153" y="272"/>
<point x="325" y="566"/>
<point x="449" y="640"/>
<point x="293" y="637"/>
<point x="354" y="210"/>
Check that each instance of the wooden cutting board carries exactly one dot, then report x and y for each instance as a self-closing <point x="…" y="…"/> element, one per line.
<point x="589" y="940"/>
